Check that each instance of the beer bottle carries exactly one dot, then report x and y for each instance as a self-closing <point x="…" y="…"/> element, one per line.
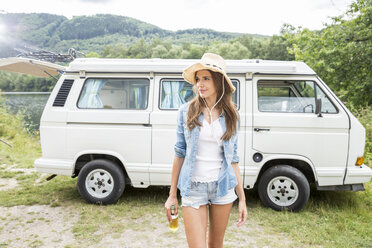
<point x="173" y="224"/>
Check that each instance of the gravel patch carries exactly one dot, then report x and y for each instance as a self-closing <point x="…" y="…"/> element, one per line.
<point x="8" y="183"/>
<point x="14" y="168"/>
<point x="45" y="226"/>
<point x="158" y="235"/>
<point x="36" y="226"/>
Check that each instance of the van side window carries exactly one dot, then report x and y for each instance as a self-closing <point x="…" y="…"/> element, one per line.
<point x="107" y="93"/>
<point x="327" y="105"/>
<point x="235" y="95"/>
<point x="174" y="93"/>
<point x="291" y="96"/>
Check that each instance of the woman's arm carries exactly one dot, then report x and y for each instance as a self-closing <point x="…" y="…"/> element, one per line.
<point x="180" y="153"/>
<point x="172" y="199"/>
<point x="239" y="188"/>
<point x="242" y="207"/>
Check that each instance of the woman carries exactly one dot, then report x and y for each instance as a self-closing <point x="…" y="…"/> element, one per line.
<point x="205" y="166"/>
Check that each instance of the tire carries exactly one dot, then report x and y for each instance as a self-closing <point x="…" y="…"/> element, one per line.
<point x="101" y="182"/>
<point x="284" y="187"/>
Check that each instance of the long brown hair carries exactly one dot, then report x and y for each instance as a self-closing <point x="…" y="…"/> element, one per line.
<point x="226" y="105"/>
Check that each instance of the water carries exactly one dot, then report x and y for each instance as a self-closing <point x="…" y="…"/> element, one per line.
<point x="32" y="103"/>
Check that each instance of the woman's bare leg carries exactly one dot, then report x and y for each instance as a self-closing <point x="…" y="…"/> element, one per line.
<point x="218" y="219"/>
<point x="195" y="221"/>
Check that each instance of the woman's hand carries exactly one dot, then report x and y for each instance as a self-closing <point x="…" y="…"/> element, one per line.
<point x="242" y="207"/>
<point x="172" y="200"/>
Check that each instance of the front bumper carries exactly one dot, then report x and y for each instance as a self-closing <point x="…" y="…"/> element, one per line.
<point x="358" y="174"/>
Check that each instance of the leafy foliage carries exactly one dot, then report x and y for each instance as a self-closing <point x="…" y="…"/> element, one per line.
<point x="14" y="82"/>
<point x="243" y="47"/>
<point x="341" y="53"/>
<point x="83" y="27"/>
<point x="14" y="130"/>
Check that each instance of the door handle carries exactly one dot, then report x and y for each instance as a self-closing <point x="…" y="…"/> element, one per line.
<point x="261" y="129"/>
<point x="147" y="125"/>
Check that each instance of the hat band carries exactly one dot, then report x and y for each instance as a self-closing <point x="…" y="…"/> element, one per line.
<point x="215" y="66"/>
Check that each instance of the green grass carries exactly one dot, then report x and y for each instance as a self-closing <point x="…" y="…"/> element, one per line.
<point x="140" y="207"/>
<point x="364" y="115"/>
<point x="330" y="219"/>
<point x="26" y="147"/>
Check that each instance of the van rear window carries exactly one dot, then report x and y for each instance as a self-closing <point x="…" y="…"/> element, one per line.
<point x="114" y="93"/>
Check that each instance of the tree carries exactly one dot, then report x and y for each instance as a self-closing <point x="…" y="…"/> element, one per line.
<point x="92" y="55"/>
<point x="230" y="50"/>
<point x="341" y="53"/>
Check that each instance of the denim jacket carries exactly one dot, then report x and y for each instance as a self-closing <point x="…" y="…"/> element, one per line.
<point x="186" y="147"/>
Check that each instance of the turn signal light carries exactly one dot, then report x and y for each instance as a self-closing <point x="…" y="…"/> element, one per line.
<point x="359" y="161"/>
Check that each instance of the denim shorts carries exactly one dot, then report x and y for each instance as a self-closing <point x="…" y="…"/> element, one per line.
<point x="205" y="193"/>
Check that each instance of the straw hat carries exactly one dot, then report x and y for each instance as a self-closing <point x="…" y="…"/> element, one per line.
<point x="209" y="61"/>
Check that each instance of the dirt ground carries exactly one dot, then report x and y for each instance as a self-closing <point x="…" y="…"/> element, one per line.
<point x="46" y="226"/>
<point x="36" y="226"/>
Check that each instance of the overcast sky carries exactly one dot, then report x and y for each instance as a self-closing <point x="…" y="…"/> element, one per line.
<point x="244" y="16"/>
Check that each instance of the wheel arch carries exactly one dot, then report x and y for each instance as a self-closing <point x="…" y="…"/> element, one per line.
<point x="302" y="165"/>
<point x="84" y="157"/>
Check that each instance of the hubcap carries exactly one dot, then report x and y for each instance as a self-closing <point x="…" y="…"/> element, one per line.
<point x="283" y="191"/>
<point x="99" y="183"/>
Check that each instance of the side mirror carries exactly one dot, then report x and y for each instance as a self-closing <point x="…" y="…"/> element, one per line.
<point x="318" y="107"/>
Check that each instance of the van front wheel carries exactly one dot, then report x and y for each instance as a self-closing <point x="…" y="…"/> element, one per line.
<point x="284" y="187"/>
<point x="101" y="181"/>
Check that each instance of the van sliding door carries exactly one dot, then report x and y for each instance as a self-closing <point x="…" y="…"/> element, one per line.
<point x="170" y="92"/>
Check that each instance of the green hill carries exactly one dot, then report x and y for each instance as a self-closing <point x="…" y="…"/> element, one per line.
<point x="91" y="33"/>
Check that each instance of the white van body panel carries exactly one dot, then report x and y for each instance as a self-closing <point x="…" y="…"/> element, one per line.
<point x="55" y="166"/>
<point x="53" y="138"/>
<point x="355" y="174"/>
<point x="137" y="172"/>
<point x="323" y="140"/>
<point x="251" y="172"/>
<point x="98" y="65"/>
<point x="111" y="132"/>
<point x="357" y="139"/>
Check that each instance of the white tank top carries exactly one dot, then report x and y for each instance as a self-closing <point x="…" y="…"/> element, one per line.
<point x="209" y="155"/>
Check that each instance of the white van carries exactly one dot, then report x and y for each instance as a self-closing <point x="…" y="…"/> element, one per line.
<point x="112" y="122"/>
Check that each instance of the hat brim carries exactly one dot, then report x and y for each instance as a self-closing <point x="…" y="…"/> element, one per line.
<point x="189" y="73"/>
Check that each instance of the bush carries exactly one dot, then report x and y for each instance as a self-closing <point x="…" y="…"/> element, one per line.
<point x="13" y="129"/>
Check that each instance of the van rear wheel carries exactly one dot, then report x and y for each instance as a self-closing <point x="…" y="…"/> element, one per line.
<point x="101" y="181"/>
<point x="284" y="187"/>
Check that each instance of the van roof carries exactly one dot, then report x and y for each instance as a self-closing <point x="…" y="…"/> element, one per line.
<point x="177" y="66"/>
